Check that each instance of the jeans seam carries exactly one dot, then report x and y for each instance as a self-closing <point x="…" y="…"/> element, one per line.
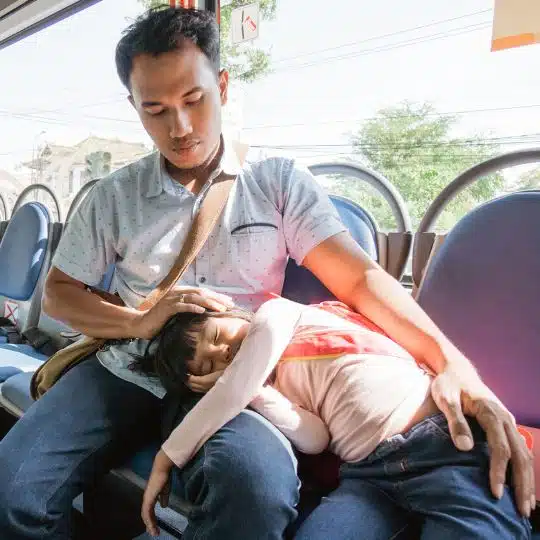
<point x="197" y="533"/>
<point x="394" y="536"/>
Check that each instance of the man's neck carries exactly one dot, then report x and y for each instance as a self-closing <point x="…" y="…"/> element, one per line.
<point x="194" y="179"/>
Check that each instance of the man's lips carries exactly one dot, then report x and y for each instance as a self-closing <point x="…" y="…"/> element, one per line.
<point x="184" y="147"/>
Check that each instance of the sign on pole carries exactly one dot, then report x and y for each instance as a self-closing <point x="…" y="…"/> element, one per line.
<point x="245" y="23"/>
<point x="515" y="23"/>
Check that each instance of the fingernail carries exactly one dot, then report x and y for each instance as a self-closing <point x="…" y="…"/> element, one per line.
<point x="499" y="489"/>
<point x="527" y="509"/>
<point x="533" y="501"/>
<point x="464" y="442"/>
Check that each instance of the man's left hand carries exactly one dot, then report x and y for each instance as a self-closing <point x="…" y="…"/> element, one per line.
<point x="456" y="398"/>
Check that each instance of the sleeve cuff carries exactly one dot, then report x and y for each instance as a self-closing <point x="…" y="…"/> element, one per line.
<point x="316" y="236"/>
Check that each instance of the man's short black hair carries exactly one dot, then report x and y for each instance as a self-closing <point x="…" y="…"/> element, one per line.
<point x="165" y="29"/>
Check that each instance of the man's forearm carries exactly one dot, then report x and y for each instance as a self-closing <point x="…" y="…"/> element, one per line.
<point x="90" y="314"/>
<point x="384" y="301"/>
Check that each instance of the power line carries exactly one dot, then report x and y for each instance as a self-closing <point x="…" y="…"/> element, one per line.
<point x="383" y="36"/>
<point x="392" y="116"/>
<point x="52" y="120"/>
<point x="384" y="48"/>
<point x="65" y="121"/>
<point x="533" y="138"/>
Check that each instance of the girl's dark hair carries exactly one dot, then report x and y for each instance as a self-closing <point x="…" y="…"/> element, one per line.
<point x="165" y="29"/>
<point x="169" y="350"/>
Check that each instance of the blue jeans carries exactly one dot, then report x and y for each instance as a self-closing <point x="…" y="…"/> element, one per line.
<point x="243" y="483"/>
<point x="418" y="474"/>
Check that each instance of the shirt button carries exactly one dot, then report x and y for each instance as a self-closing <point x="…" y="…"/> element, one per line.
<point x="202" y="279"/>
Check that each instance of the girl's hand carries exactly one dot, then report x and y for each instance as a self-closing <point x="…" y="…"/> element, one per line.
<point x="157" y="487"/>
<point x="201" y="384"/>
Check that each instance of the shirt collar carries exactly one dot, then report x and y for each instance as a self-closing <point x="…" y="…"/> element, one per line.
<point x="231" y="163"/>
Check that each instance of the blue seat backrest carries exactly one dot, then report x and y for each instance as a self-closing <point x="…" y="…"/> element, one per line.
<point x="23" y="251"/>
<point x="106" y="281"/>
<point x="301" y="285"/>
<point x="483" y="289"/>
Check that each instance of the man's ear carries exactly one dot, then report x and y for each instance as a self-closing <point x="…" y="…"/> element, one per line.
<point x="224" y="86"/>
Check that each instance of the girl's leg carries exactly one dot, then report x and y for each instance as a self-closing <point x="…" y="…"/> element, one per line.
<point x="357" y="510"/>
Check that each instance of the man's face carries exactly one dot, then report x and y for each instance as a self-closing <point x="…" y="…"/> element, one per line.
<point x="179" y="98"/>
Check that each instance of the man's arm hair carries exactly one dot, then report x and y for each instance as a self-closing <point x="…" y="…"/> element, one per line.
<point x="96" y="315"/>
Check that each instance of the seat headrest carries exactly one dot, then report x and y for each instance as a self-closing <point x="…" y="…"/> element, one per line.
<point x="301" y="285"/>
<point x="23" y="251"/>
<point x="483" y="290"/>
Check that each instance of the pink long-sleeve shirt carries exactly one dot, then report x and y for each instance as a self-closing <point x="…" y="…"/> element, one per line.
<point x="347" y="397"/>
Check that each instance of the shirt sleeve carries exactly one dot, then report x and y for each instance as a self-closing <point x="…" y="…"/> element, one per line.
<point x="267" y="338"/>
<point x="86" y="247"/>
<point x="304" y="429"/>
<point x="309" y="217"/>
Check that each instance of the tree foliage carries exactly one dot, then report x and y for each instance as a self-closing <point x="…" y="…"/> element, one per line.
<point x="244" y="62"/>
<point x="412" y="146"/>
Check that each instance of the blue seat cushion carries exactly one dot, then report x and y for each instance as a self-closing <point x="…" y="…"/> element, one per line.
<point x="8" y="371"/>
<point x="16" y="358"/>
<point x="16" y="390"/>
<point x="22" y="251"/>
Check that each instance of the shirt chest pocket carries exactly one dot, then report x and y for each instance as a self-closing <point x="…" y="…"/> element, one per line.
<point x="257" y="247"/>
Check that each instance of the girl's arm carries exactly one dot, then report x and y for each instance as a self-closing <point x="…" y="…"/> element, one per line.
<point x="268" y="336"/>
<point x="304" y="429"/>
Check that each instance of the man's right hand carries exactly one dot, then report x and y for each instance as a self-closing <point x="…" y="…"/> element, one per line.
<point x="179" y="299"/>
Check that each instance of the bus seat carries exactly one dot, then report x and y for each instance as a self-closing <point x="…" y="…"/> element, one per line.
<point x="19" y="361"/>
<point x="301" y="285"/>
<point x="25" y="253"/>
<point x="3" y="227"/>
<point x="46" y="330"/>
<point x="481" y="288"/>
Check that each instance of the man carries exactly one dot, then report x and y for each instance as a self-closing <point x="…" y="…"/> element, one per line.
<point x="243" y="484"/>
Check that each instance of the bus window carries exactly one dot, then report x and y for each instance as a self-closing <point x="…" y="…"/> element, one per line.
<point x="412" y="91"/>
<point x="65" y="116"/>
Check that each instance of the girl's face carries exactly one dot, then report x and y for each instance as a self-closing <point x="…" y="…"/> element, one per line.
<point x="217" y="344"/>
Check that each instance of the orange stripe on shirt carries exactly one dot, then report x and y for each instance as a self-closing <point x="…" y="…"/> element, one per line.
<point x="314" y="343"/>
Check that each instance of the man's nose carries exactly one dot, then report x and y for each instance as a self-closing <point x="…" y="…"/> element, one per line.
<point x="180" y="125"/>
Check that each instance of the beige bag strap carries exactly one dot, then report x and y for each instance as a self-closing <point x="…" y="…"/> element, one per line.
<point x="205" y="220"/>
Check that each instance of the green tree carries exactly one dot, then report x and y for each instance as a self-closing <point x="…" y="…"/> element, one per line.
<point x="529" y="180"/>
<point x="244" y="62"/>
<point x="412" y="147"/>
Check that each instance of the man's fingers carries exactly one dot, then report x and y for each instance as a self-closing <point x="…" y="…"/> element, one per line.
<point x="220" y="297"/>
<point x="182" y="307"/>
<point x="460" y="430"/>
<point x="202" y="297"/>
<point x="499" y="447"/>
<point x="448" y="399"/>
<point x="522" y="470"/>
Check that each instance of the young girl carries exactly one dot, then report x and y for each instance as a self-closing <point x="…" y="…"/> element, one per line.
<point x="328" y="378"/>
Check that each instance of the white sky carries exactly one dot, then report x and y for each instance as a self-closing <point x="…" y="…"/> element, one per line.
<point x="54" y="80"/>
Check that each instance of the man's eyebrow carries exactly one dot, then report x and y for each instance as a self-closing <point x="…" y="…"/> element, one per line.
<point x="194" y="90"/>
<point x="150" y="103"/>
